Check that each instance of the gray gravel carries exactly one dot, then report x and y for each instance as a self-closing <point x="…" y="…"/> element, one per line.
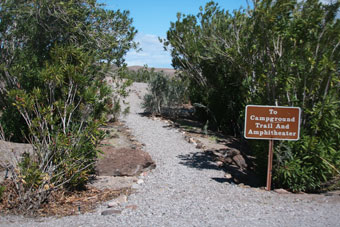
<point x="177" y="194"/>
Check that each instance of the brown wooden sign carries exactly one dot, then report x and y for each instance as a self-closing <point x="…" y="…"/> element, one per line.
<point x="272" y="122"/>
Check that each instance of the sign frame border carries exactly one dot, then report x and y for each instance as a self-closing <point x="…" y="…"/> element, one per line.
<point x="268" y="138"/>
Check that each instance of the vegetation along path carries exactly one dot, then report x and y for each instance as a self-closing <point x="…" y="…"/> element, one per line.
<point x="180" y="192"/>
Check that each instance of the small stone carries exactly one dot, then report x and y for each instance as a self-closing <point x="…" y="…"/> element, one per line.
<point x="140" y="181"/>
<point x="281" y="191"/>
<point x="112" y="204"/>
<point x="199" y="145"/>
<point x="132" y="207"/>
<point x="135" y="187"/>
<point x="115" y="135"/>
<point x="111" y="212"/>
<point x="228" y="176"/>
<point x="191" y="140"/>
<point x="328" y="194"/>
<point x="121" y="199"/>
<point x="228" y="160"/>
<point x="219" y="163"/>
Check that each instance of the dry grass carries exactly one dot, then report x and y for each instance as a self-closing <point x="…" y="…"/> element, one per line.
<point x="61" y="202"/>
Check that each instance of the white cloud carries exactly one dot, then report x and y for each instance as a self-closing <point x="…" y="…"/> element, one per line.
<point x="152" y="53"/>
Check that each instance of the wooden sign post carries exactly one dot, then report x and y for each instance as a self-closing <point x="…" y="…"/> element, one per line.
<point x="272" y="123"/>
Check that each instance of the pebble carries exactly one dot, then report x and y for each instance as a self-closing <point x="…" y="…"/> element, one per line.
<point x="111" y="212"/>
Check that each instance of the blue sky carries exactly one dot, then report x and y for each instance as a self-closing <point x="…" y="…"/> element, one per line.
<point x="152" y="20"/>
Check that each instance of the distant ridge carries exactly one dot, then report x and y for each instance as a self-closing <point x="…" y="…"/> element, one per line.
<point x="168" y="71"/>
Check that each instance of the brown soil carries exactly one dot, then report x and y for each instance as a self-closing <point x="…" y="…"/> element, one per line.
<point x="61" y="202"/>
<point x="98" y="190"/>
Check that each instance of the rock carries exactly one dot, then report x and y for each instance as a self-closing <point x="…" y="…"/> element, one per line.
<point x="111" y="212"/>
<point x="239" y="161"/>
<point x="217" y="154"/>
<point x="140" y="181"/>
<point x="199" y="145"/>
<point x="281" y="191"/>
<point x="12" y="151"/>
<point x="228" y="160"/>
<point x="121" y="199"/>
<point x="112" y="204"/>
<point x="135" y="187"/>
<point x="115" y="136"/>
<point x="328" y="194"/>
<point x="132" y="207"/>
<point x="219" y="163"/>
<point x="113" y="183"/>
<point x="124" y="162"/>
<point x="144" y="174"/>
<point x="193" y="141"/>
<point x="233" y="152"/>
<point x="228" y="176"/>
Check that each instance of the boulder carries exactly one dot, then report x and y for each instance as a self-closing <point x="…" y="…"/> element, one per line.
<point x="111" y="212"/>
<point x="123" y="162"/>
<point x="11" y="152"/>
<point x="240" y="162"/>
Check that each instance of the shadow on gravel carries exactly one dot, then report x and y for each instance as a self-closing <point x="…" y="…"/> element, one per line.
<point x="228" y="154"/>
<point x="199" y="160"/>
<point x="206" y="160"/>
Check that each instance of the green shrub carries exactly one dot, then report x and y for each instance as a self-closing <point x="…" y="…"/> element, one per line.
<point x="284" y="52"/>
<point x="53" y="90"/>
<point x="2" y="189"/>
<point x="141" y="75"/>
<point x="63" y="120"/>
<point x="307" y="164"/>
<point x="163" y="93"/>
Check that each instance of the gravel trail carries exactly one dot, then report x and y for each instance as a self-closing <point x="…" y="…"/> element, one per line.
<point x="177" y="194"/>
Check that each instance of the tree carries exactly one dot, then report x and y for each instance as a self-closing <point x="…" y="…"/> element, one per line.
<point x="54" y="58"/>
<point x="30" y="29"/>
<point x="284" y="52"/>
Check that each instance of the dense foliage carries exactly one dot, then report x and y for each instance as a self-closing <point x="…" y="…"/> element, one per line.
<point x="53" y="93"/>
<point x="165" y="94"/>
<point x="284" y="52"/>
<point x="141" y="75"/>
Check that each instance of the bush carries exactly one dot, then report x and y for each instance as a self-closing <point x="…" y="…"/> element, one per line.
<point x="277" y="51"/>
<point x="141" y="75"/>
<point x="163" y="93"/>
<point x="63" y="120"/>
<point x="53" y="90"/>
<point x="306" y="165"/>
<point x="2" y="189"/>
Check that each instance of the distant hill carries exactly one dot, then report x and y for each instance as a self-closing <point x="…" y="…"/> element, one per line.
<point x="168" y="71"/>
